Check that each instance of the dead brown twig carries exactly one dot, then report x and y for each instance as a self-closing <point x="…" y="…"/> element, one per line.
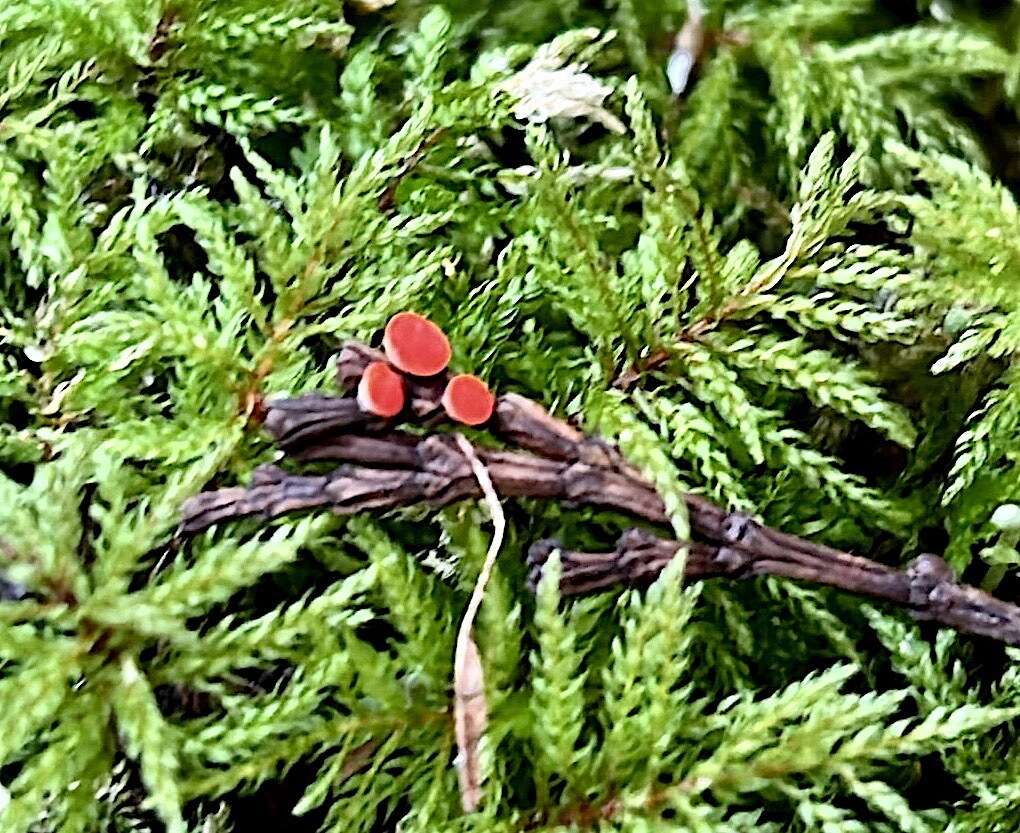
<point x="384" y="469"/>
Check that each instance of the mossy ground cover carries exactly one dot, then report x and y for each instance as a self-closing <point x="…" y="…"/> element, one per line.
<point x="790" y="286"/>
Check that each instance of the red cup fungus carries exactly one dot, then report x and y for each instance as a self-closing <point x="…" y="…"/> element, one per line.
<point x="415" y="345"/>
<point x="381" y="390"/>
<point x="467" y="399"/>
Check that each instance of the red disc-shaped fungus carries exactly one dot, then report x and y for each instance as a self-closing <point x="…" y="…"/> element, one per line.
<point x="468" y="399"/>
<point x="381" y="390"/>
<point x="416" y="345"/>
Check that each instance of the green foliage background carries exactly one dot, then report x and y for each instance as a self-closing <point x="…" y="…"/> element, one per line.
<point x="200" y="200"/>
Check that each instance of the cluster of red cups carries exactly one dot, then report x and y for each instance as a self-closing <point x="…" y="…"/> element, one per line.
<point x="415" y="346"/>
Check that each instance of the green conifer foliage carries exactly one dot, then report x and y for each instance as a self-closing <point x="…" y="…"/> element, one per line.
<point x="790" y="287"/>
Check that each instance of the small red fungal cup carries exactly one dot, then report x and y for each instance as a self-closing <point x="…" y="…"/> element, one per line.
<point x="415" y="345"/>
<point x="467" y="399"/>
<point x="381" y="390"/>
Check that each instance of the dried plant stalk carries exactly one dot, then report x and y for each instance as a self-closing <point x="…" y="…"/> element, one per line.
<point x="470" y="708"/>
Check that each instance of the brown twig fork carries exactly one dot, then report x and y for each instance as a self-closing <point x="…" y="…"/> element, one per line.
<point x="383" y="468"/>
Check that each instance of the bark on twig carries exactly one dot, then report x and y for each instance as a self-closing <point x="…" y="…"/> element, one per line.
<point x="432" y="471"/>
<point x="384" y="469"/>
<point x="927" y="588"/>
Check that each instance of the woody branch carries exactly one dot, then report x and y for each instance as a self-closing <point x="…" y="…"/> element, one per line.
<point x="385" y="469"/>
